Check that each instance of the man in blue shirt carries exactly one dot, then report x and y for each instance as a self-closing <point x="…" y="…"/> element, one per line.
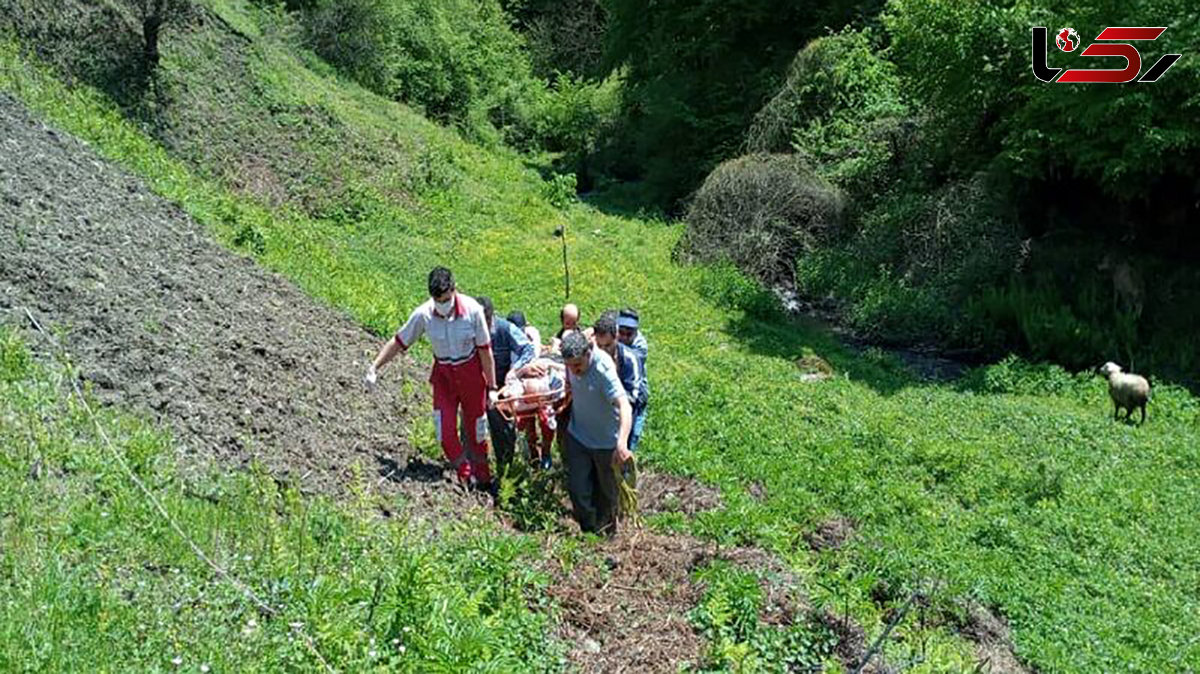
<point x="510" y="350"/>
<point x="597" y="435"/>
<point x="628" y="361"/>
<point x="629" y="334"/>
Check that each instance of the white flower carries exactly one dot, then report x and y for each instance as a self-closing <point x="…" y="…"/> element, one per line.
<point x="395" y="642"/>
<point x="371" y="654"/>
<point x="402" y="648"/>
<point x="176" y="661"/>
<point x="296" y="626"/>
<point x="204" y="669"/>
<point x="104" y="513"/>
<point x="252" y="624"/>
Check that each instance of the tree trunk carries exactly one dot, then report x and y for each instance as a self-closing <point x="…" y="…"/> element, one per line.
<point x="150" y="28"/>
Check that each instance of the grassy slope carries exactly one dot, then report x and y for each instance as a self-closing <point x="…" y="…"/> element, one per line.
<point x="1015" y="490"/>
<point x="92" y="578"/>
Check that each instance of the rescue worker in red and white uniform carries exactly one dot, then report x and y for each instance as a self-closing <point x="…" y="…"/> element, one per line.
<point x="464" y="372"/>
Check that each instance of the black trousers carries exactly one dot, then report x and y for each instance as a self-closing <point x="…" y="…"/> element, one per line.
<point x="592" y="485"/>
<point x="504" y="438"/>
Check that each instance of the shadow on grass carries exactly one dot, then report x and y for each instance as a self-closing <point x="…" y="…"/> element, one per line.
<point x="790" y="338"/>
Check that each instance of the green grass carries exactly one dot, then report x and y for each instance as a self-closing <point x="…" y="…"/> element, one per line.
<point x="1013" y="488"/>
<point x="93" y="579"/>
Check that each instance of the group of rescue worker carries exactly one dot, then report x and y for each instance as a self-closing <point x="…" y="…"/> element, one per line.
<point x="606" y="392"/>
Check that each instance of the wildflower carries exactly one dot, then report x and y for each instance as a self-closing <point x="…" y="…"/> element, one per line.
<point x="203" y="669"/>
<point x="371" y="654"/>
<point x="402" y="648"/>
<point x="252" y="624"/>
<point x="177" y="660"/>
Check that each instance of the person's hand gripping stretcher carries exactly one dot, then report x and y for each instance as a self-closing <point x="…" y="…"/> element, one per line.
<point x="538" y="389"/>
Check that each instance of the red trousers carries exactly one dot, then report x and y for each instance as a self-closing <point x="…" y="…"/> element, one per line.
<point x="462" y="386"/>
<point x="531" y="426"/>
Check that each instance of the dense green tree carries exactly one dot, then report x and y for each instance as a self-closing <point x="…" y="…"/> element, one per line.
<point x="1129" y="152"/>
<point x="699" y="70"/>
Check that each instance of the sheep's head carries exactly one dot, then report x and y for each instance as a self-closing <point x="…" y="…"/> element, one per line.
<point x="1108" y="369"/>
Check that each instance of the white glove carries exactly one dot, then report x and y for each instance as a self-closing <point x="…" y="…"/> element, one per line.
<point x="371" y="377"/>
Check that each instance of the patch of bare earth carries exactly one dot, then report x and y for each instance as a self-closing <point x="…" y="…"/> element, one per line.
<point x="852" y="645"/>
<point x="831" y="534"/>
<point x="993" y="641"/>
<point x="626" y="609"/>
<point x="662" y="493"/>
<point x="158" y="318"/>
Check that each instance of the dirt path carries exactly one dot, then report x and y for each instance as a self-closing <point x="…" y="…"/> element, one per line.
<point x="161" y="319"/>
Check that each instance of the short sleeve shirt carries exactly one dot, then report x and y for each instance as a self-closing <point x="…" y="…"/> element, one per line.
<point x="454" y="338"/>
<point x="595" y="420"/>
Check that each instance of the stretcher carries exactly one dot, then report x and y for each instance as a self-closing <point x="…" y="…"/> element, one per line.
<point x="530" y="405"/>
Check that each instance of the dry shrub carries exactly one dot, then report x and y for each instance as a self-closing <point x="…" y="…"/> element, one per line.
<point x="963" y="236"/>
<point x="760" y="212"/>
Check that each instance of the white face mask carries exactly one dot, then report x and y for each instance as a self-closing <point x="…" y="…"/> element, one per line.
<point x="444" y="308"/>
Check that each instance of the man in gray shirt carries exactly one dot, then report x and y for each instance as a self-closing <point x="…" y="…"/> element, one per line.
<point x="597" y="435"/>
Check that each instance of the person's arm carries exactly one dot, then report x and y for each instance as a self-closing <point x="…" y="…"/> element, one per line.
<point x="523" y="351"/>
<point x="615" y="392"/>
<point x="483" y="342"/>
<point x="489" y="367"/>
<point x="409" y="333"/>
<point x="637" y="398"/>
<point x="389" y="351"/>
<point x="626" y="415"/>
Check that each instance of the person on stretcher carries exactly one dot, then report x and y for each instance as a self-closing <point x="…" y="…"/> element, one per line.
<point x="531" y="393"/>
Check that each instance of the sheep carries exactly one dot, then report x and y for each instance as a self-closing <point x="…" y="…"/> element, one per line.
<point x="1126" y="390"/>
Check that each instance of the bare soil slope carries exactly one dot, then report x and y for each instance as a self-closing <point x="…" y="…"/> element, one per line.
<point x="160" y="318"/>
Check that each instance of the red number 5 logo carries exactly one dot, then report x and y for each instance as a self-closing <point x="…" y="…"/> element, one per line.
<point x="1133" y="59"/>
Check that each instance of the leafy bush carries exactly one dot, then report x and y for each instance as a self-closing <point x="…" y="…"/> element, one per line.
<point x="760" y="212"/>
<point x="15" y="361"/>
<point x="563" y="36"/>
<point x="457" y="59"/>
<point x="698" y="71"/>
<point x="728" y="287"/>
<point x="914" y="258"/>
<point x="1076" y="331"/>
<point x="728" y="616"/>
<point x="962" y="61"/>
<point x="531" y="497"/>
<point x="1015" y="375"/>
<point x="560" y="190"/>
<point x="570" y="117"/>
<point x="840" y="108"/>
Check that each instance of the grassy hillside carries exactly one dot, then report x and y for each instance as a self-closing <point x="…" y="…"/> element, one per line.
<point x="93" y="578"/>
<point x="1012" y="489"/>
